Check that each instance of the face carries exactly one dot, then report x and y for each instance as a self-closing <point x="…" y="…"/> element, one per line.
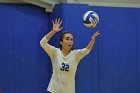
<point x="67" y="42"/>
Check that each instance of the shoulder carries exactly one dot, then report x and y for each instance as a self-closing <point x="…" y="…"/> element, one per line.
<point x="82" y="49"/>
<point x="57" y="49"/>
<point x="74" y="51"/>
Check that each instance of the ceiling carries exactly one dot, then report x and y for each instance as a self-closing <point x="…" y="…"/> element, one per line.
<point x="49" y="4"/>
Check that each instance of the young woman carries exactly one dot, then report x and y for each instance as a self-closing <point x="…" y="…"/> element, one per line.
<point x="64" y="59"/>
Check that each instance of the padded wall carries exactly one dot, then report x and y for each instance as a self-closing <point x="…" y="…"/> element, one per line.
<point x="118" y="50"/>
<point x="24" y="66"/>
<point x="111" y="67"/>
<point x="138" y="47"/>
<point x="6" y="51"/>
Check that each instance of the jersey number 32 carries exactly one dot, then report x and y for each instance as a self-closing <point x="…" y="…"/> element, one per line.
<point x="64" y="67"/>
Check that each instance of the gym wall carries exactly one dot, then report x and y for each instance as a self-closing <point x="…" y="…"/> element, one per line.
<point x="111" y="67"/>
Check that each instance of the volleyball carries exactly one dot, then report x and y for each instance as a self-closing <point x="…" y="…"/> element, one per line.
<point x="90" y="19"/>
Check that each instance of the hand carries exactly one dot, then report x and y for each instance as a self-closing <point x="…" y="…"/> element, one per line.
<point x="95" y="34"/>
<point x="56" y="25"/>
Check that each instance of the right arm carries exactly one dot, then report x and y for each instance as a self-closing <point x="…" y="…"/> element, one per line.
<point x="56" y="28"/>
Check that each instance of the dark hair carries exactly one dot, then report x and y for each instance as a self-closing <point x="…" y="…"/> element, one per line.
<point x="61" y="39"/>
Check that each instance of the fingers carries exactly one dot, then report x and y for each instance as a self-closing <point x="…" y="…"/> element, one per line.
<point x="61" y="28"/>
<point x="53" y="22"/>
<point x="57" y="25"/>
<point x="57" y="21"/>
<point x="60" y="22"/>
<point x="96" y="34"/>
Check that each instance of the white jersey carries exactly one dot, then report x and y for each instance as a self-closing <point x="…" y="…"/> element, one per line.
<point x="64" y="67"/>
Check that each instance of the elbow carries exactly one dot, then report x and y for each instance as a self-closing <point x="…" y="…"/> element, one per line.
<point x="88" y="50"/>
<point x="41" y="43"/>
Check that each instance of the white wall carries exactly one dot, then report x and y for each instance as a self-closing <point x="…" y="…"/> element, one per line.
<point x="49" y="4"/>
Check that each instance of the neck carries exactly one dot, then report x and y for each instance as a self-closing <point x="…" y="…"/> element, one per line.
<point x="65" y="52"/>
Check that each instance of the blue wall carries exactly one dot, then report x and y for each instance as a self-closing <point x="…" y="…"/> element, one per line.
<point x="118" y="50"/>
<point x="23" y="67"/>
<point x="111" y="67"/>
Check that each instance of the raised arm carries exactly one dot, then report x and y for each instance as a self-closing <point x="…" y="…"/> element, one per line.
<point x="47" y="47"/>
<point x="91" y="43"/>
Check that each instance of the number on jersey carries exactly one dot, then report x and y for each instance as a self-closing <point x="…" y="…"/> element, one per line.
<point x="64" y="67"/>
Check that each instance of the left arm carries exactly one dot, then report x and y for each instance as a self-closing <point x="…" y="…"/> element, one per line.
<point x="83" y="52"/>
<point x="91" y="43"/>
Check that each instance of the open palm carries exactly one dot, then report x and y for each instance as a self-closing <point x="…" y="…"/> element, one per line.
<point x="56" y="25"/>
